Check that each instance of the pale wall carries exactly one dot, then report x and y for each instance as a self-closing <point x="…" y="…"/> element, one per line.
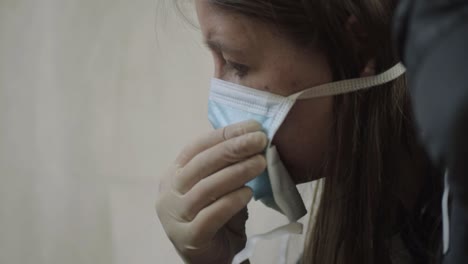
<point x="93" y="107"/>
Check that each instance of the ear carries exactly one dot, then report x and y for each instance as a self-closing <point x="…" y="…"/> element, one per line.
<point x="359" y="36"/>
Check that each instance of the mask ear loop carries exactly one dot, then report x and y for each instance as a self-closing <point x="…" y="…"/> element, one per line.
<point x="351" y="85"/>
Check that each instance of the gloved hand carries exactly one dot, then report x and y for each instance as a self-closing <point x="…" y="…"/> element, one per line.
<point x="202" y="201"/>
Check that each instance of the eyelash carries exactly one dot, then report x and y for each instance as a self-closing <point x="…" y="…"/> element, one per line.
<point x="240" y="69"/>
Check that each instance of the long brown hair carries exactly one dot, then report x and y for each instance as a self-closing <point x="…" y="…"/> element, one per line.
<point x="373" y="135"/>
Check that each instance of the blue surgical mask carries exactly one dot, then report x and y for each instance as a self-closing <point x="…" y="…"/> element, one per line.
<point x="231" y="103"/>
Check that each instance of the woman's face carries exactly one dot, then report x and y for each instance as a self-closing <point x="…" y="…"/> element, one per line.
<point x="253" y="54"/>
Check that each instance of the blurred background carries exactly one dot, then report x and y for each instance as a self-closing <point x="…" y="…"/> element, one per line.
<point x="97" y="97"/>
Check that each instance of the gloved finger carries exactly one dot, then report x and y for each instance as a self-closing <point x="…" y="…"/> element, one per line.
<point x="219" y="184"/>
<point x="220" y="156"/>
<point x="214" y="138"/>
<point x="212" y="218"/>
<point x="167" y="208"/>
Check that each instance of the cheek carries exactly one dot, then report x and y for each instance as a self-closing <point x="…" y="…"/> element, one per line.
<point x="303" y="137"/>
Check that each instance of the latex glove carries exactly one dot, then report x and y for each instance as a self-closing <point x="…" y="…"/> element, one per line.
<point x="202" y="201"/>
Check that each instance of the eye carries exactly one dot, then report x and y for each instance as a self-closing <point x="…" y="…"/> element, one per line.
<point x="241" y="70"/>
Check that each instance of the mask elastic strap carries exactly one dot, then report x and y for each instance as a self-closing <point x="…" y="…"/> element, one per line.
<point x="351" y="85"/>
<point x="284" y="231"/>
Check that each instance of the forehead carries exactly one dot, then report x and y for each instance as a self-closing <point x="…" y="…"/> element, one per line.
<point x="219" y="24"/>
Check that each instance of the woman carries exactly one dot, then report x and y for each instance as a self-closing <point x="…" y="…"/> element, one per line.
<point x="381" y="197"/>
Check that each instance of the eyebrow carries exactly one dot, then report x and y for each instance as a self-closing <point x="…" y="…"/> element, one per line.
<point x="221" y="47"/>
